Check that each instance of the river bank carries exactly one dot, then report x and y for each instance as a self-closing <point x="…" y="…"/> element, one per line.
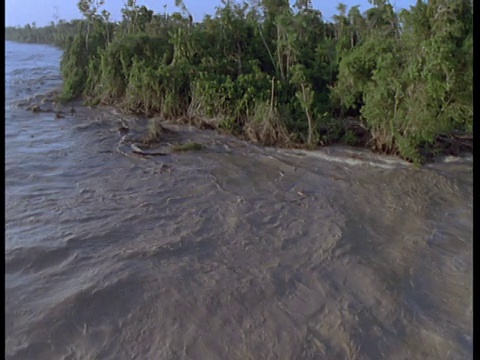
<point x="150" y="137"/>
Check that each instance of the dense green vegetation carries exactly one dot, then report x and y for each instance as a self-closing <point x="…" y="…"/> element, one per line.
<point x="281" y="75"/>
<point x="58" y="34"/>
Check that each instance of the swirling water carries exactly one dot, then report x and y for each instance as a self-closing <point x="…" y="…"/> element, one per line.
<point x="235" y="252"/>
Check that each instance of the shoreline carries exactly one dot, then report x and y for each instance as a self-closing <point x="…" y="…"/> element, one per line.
<point x="457" y="147"/>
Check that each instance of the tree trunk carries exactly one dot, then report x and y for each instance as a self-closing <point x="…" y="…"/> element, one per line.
<point x="310" y="122"/>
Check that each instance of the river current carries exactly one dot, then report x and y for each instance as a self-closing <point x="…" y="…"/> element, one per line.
<point x="231" y="252"/>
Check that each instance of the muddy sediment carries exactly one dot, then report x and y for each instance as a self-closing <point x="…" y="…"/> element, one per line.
<point x="229" y="251"/>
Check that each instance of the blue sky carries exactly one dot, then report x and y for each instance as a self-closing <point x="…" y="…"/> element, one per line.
<point x="21" y="12"/>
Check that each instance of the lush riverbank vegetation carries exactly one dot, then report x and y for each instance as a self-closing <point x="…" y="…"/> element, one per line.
<point x="279" y="74"/>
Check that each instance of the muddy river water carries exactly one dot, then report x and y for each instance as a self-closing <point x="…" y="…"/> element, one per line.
<point x="230" y="252"/>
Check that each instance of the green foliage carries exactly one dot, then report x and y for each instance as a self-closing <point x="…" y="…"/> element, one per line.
<point x="74" y="66"/>
<point x="349" y="138"/>
<point x="412" y="85"/>
<point x="79" y="62"/>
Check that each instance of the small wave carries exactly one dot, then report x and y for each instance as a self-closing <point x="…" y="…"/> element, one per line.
<point x="34" y="259"/>
<point x="467" y="158"/>
<point x="359" y="158"/>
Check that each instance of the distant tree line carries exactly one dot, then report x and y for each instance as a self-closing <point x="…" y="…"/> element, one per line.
<point x="281" y="75"/>
<point x="58" y="34"/>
